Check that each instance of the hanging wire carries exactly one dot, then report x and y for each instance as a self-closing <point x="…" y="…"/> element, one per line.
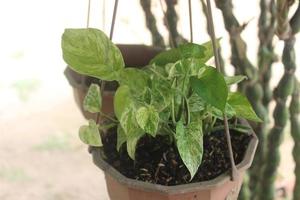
<point x="234" y="171"/>
<point x="172" y="40"/>
<point x="113" y="20"/>
<point x="103" y="14"/>
<point x="88" y="14"/>
<point x="110" y="37"/>
<point x="191" y="21"/>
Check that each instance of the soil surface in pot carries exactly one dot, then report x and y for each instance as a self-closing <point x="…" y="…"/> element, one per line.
<point x="159" y="162"/>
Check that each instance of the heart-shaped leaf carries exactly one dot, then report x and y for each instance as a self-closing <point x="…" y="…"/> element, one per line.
<point x="211" y="87"/>
<point x="93" y="101"/>
<point x="242" y="106"/>
<point x="90" y="134"/>
<point x="90" y="52"/>
<point x="189" y="142"/>
<point x="148" y="118"/>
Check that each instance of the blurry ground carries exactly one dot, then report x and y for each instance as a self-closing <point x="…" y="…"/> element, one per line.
<point x="41" y="157"/>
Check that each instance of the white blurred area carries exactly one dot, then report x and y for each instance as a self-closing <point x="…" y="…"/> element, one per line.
<point x="36" y="101"/>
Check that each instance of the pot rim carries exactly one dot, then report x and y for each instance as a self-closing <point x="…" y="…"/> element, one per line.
<point x="184" y="188"/>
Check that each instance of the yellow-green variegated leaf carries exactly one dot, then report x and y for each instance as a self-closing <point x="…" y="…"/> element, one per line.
<point x="89" y="134"/>
<point x="148" y="119"/>
<point x="93" y="101"/>
<point x="90" y="52"/>
<point x="121" y="139"/>
<point x="189" y="141"/>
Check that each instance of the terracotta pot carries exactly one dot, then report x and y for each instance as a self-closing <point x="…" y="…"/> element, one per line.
<point x="221" y="188"/>
<point x="134" y="56"/>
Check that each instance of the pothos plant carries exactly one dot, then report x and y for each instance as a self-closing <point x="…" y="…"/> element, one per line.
<point x="176" y="95"/>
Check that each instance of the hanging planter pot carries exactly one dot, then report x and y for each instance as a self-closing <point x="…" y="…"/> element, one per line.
<point x="134" y="55"/>
<point x="166" y="134"/>
<point x="120" y="187"/>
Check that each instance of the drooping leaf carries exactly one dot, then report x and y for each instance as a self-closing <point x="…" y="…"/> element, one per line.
<point x="169" y="56"/>
<point x="90" y="52"/>
<point x="211" y="87"/>
<point x="189" y="142"/>
<point x="242" y="106"/>
<point x="148" y="119"/>
<point x="122" y="100"/>
<point x="93" y="101"/>
<point x="230" y="80"/>
<point x="135" y="79"/>
<point x="90" y="134"/>
<point x="121" y="139"/>
<point x="132" y="140"/>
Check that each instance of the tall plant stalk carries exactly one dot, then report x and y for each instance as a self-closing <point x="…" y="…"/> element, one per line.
<point x="286" y="30"/>
<point x="157" y="39"/>
<point x="266" y="57"/>
<point x="295" y="131"/>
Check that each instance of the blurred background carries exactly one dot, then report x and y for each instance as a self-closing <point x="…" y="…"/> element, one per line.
<point x="41" y="156"/>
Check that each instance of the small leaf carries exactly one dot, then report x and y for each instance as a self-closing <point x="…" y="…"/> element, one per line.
<point x="169" y="56"/>
<point x="93" y="101"/>
<point x="148" y="118"/>
<point x="132" y="140"/>
<point x="230" y="80"/>
<point x="90" y="52"/>
<point x="122" y="100"/>
<point x="121" y="137"/>
<point x="242" y="106"/>
<point x="90" y="134"/>
<point x="189" y="142"/>
<point x="211" y="87"/>
<point x="196" y="104"/>
<point x="128" y="121"/>
<point x="190" y="50"/>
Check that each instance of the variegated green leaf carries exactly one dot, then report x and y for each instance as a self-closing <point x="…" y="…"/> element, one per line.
<point x="90" y="52"/>
<point x="132" y="140"/>
<point x="189" y="142"/>
<point x="93" y="101"/>
<point x="90" y="134"/>
<point x="148" y="119"/>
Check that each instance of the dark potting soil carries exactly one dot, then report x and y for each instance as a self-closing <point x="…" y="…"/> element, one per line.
<point x="159" y="162"/>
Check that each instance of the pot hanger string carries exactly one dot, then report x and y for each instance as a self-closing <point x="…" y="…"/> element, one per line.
<point x="234" y="171"/>
<point x="88" y="14"/>
<point x="191" y="22"/>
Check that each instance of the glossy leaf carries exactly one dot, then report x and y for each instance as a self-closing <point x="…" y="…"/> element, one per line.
<point x="211" y="87"/>
<point x="242" y="106"/>
<point x="90" y="134"/>
<point x="230" y="80"/>
<point x="121" y="139"/>
<point x="148" y="119"/>
<point x="189" y="142"/>
<point x="90" y="52"/>
<point x="122" y="100"/>
<point x="93" y="101"/>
